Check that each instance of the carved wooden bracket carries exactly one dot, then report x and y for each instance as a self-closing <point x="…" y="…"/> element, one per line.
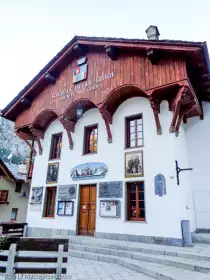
<point x="108" y="120"/>
<point x="156" y="110"/>
<point x="181" y="117"/>
<point x="39" y="134"/>
<point x="69" y="127"/>
<point x="26" y="137"/>
<point x="36" y="132"/>
<point x="176" y="107"/>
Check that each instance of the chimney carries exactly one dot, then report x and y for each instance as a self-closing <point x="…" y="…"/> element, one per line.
<point x="152" y="33"/>
<point x="23" y="167"/>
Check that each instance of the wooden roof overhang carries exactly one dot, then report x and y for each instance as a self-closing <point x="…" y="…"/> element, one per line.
<point x="184" y="95"/>
<point x="5" y="172"/>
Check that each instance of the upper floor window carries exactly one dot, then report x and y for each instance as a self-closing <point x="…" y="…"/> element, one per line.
<point x="56" y="143"/>
<point x="91" y="139"/>
<point x="3" y="196"/>
<point x="134" y="131"/>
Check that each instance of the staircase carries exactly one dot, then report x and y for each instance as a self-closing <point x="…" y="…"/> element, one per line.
<point x="157" y="261"/>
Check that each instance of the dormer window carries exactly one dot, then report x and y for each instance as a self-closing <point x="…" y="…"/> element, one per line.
<point x="56" y="143"/>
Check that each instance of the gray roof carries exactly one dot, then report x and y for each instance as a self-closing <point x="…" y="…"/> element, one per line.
<point x="13" y="168"/>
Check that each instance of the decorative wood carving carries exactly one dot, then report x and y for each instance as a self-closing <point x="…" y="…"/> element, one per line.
<point x="69" y="127"/>
<point x="176" y="107"/>
<point x="108" y="120"/>
<point x="111" y="52"/>
<point x="39" y="146"/>
<point x="156" y="110"/>
<point x="36" y="132"/>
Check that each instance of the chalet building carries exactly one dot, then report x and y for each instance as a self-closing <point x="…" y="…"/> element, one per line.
<point x="111" y="124"/>
<point x="14" y="192"/>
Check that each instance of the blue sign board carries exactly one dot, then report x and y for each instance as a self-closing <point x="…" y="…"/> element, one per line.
<point x="90" y="170"/>
<point x="160" y="185"/>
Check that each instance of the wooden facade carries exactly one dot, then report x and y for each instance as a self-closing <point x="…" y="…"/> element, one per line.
<point x="118" y="69"/>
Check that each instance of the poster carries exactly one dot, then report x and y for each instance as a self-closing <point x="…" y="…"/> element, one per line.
<point x="110" y="209"/>
<point x="69" y="208"/>
<point x="61" y="208"/>
<point x="37" y="194"/>
<point x="65" y="208"/>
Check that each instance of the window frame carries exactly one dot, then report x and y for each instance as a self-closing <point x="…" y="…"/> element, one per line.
<point x="7" y="195"/>
<point x="127" y="134"/>
<point x="52" y="146"/>
<point x="85" y="139"/>
<point x="54" y="189"/>
<point x="18" y="187"/>
<point x="128" y="217"/>
<point x="16" y="213"/>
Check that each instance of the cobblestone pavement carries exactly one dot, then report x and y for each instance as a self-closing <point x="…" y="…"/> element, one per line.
<point x="82" y="269"/>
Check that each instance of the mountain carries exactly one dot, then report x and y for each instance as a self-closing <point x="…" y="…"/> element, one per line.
<point x="10" y="144"/>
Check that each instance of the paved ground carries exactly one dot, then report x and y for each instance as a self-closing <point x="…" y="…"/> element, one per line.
<point x="82" y="269"/>
<point x="95" y="270"/>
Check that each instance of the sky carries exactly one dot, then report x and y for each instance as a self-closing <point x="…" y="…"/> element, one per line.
<point x="32" y="32"/>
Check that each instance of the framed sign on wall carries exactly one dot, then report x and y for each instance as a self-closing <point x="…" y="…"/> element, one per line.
<point x="65" y="208"/>
<point x="52" y="173"/>
<point x="110" y="208"/>
<point x="134" y="164"/>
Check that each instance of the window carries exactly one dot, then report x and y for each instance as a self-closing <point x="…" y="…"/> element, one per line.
<point x="91" y="136"/>
<point x="50" y="202"/>
<point x="3" y="196"/>
<point x="56" y="143"/>
<point x="18" y="186"/>
<point x="136" y="207"/>
<point x="134" y="131"/>
<point x="14" y="214"/>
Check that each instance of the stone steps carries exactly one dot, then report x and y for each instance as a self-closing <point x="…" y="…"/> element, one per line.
<point x="201" y="238"/>
<point x="157" y="261"/>
<point x="157" y="271"/>
<point x="181" y="252"/>
<point x="185" y="263"/>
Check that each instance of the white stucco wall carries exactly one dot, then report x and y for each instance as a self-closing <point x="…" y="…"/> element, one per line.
<point x="198" y="135"/>
<point x="163" y="214"/>
<point x="14" y="201"/>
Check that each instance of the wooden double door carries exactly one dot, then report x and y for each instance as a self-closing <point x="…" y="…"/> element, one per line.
<point x="87" y="213"/>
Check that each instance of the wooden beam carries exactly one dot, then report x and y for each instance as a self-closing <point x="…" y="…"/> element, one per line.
<point x="39" y="146"/>
<point x="78" y="49"/>
<point x="152" y="55"/>
<point x="111" y="52"/>
<point x="108" y="120"/>
<point x="156" y="110"/>
<point x="176" y="108"/>
<point x="25" y="101"/>
<point x="69" y="127"/>
<point x="37" y="132"/>
<point x="49" y="77"/>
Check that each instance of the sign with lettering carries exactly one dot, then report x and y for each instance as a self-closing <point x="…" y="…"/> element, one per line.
<point x="160" y="185"/>
<point x="90" y="170"/>
<point x="67" y="192"/>
<point x="90" y="85"/>
<point x="110" y="189"/>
